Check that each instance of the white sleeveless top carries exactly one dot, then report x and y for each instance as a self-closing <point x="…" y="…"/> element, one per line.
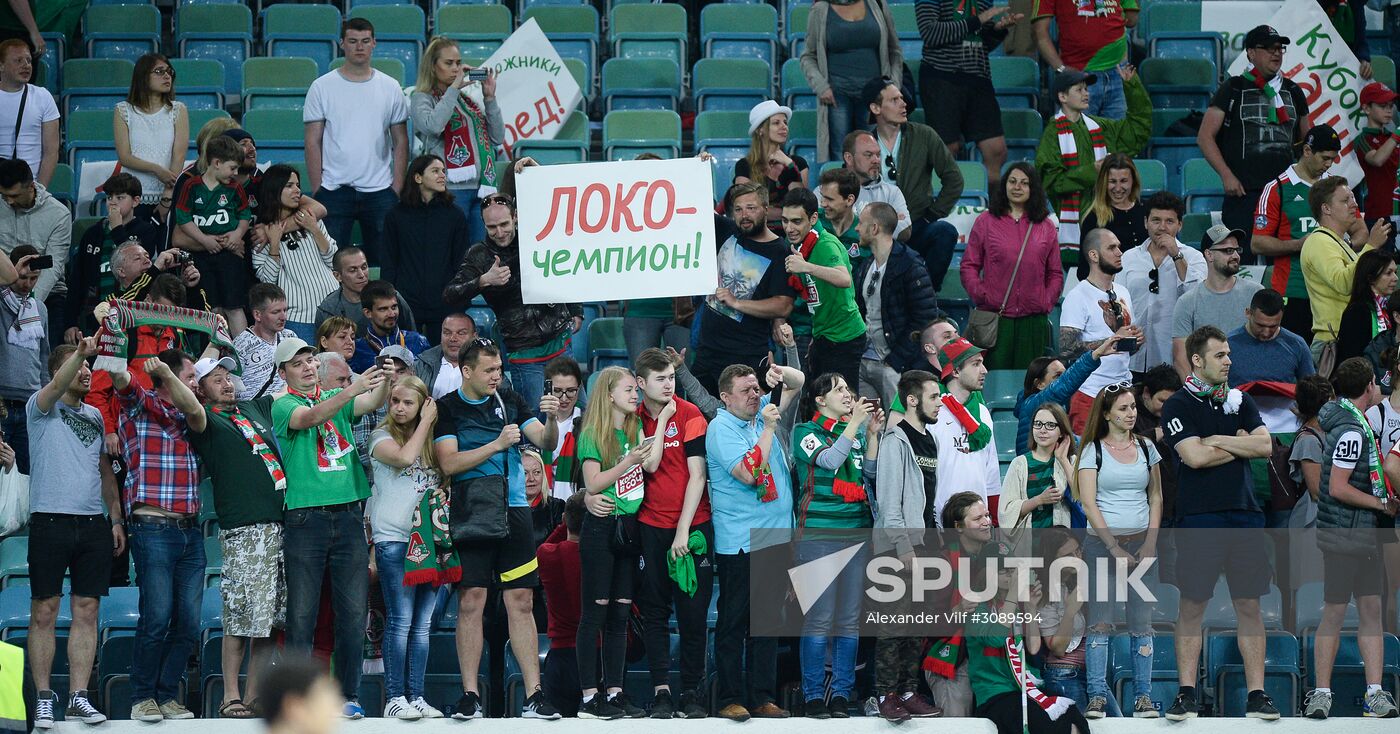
<point x="152" y="137"/>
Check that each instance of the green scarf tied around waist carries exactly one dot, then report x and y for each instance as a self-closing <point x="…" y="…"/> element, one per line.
<point x="125" y="316"/>
<point x="682" y="570"/>
<point x="430" y="557"/>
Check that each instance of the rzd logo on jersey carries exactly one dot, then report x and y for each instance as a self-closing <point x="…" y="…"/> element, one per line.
<point x="218" y="217"/>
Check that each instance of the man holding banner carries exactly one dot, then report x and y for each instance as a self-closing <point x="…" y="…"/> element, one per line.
<point x="1251" y="127"/>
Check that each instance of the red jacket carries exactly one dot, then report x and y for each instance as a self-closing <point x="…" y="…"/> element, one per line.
<point x="149" y="343"/>
<point x="560" y="573"/>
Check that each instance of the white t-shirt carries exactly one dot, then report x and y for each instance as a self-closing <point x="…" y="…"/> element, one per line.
<point x="1385" y="422"/>
<point x="38" y="109"/>
<point x="1081" y="310"/>
<point x="449" y="379"/>
<point x="959" y="470"/>
<point x="1155" y="310"/>
<point x="356" y="148"/>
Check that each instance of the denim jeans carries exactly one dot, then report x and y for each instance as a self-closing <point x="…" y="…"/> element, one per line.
<point x="641" y="334"/>
<point x="345" y="206"/>
<point x="833" y="622"/>
<point x="306" y="331"/>
<point x="409" y="612"/>
<point x="1101" y="613"/>
<point x="318" y="542"/>
<point x="734" y="646"/>
<point x="467" y="201"/>
<point x="1106" y="100"/>
<point x="848" y="114"/>
<point x="16" y="433"/>
<point x="934" y="240"/>
<point x="170" y="574"/>
<point x="1070" y="683"/>
<point x="527" y="379"/>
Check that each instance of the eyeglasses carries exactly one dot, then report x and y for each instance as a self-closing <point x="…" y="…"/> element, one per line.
<point x="889" y="163"/>
<point x="164" y="71"/>
<point x="1154" y="279"/>
<point x="1044" y="425"/>
<point x="1227" y="251"/>
<point x="564" y="392"/>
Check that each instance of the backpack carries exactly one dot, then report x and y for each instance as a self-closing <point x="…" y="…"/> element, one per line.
<point x="1284" y="492"/>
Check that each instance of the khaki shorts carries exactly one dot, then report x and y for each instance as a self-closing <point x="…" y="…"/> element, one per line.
<point x="254" y="583"/>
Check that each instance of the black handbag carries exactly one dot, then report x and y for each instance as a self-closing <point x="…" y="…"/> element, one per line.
<point x="627" y="536"/>
<point x="477" y="513"/>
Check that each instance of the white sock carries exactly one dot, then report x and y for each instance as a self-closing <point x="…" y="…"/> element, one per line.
<point x="907" y="695"/>
<point x="589" y="697"/>
<point x="1326" y="690"/>
<point x="882" y="698"/>
<point x="1372" y="688"/>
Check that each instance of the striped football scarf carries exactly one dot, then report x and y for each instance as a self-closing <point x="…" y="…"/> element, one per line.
<point x="1069" y="156"/>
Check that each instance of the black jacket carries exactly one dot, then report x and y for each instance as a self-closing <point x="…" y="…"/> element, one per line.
<point x="85" y="271"/>
<point x="422" y="246"/>
<point x="522" y="325"/>
<point x="907" y="303"/>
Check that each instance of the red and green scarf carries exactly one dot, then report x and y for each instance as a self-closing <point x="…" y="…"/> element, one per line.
<point x="126" y="316"/>
<point x="467" y="147"/>
<point x="979" y="434"/>
<point x="819" y="434"/>
<point x="944" y="653"/>
<point x="430" y="557"/>
<point x="259" y="446"/>
<point x="1278" y="113"/>
<point x="330" y="445"/>
<point x="764" y="486"/>
<point x="1214" y="393"/>
<point x="1071" y="203"/>
<point x="1380" y="319"/>
<point x="1054" y="706"/>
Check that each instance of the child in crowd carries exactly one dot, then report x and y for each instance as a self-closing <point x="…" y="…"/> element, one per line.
<point x="1378" y="150"/>
<point x="212" y="214"/>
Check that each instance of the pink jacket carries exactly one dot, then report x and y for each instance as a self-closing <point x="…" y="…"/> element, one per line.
<point x="986" y="268"/>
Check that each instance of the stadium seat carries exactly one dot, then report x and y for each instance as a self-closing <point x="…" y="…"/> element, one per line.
<point x="1004" y="433"/>
<point x="113" y="671"/>
<point x="569" y="145"/>
<point x="119" y="611"/>
<point x="802" y="134"/>
<point x="95" y="84"/>
<point x="974" y="176"/>
<point x="724" y="135"/>
<point x="14" y="561"/>
<point x="197" y="120"/>
<point x="731" y="84"/>
<point x="223" y="33"/>
<point x="121" y="31"/>
<point x="1153" y="174"/>
<point x="954" y="300"/>
<point x="572" y="30"/>
<point x="1383" y="70"/>
<point x="1349" y="674"/>
<point x="62" y="183"/>
<point x="278" y="131"/>
<point x="1022" y="129"/>
<point x="730" y="31"/>
<point x="606" y="343"/>
<point x="797" y="93"/>
<point x="1001" y="389"/>
<point x="89" y="137"/>
<point x="906" y="26"/>
<point x="478" y="29"/>
<point x="1179" y="82"/>
<point x="214" y="562"/>
<point x="1162" y="16"/>
<point x="640" y="84"/>
<point x="387" y="65"/>
<point x="1017" y="81"/>
<point x="629" y="133"/>
<point x="306" y="31"/>
<point x="1201" y="186"/>
<point x="1193" y="228"/>
<point x="795" y="29"/>
<point x="200" y="83"/>
<point x="1282" y="674"/>
<point x="1186" y="45"/>
<point x="277" y="83"/>
<point x="649" y="31"/>
<point x="398" y="31"/>
<point x="48" y="67"/>
<point x="14" y="612"/>
<point x="1164" y="117"/>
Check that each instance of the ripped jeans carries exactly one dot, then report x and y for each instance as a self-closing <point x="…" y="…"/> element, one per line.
<point x="1063" y="680"/>
<point x="1098" y="638"/>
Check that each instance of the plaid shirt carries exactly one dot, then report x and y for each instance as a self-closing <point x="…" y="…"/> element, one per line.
<point x="162" y="470"/>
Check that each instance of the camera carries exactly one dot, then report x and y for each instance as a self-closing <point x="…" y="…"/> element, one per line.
<point x="478" y="75"/>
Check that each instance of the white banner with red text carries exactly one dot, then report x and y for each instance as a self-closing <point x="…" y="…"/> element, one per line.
<point x="535" y="90"/>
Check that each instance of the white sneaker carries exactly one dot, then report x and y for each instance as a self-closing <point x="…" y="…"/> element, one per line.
<point x="398" y="707"/>
<point x="425" y="708"/>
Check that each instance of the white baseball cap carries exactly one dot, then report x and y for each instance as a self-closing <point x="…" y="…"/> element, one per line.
<point x="203" y="367"/>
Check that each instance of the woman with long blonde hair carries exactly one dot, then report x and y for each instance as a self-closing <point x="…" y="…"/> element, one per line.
<point x="407" y="496"/>
<point x="766" y="164"/>
<point x="1117" y="205"/>
<point x="614" y="456"/>
<point x="457" y="119"/>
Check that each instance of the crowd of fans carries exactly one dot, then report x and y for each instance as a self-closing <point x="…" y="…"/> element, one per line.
<point x="217" y="325"/>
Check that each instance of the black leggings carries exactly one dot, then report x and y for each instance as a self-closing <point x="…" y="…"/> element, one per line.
<point x="605" y="575"/>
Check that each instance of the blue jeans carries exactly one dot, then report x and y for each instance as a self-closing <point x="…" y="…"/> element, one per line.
<point x="305" y="331"/>
<point x="16" y="433"/>
<point x="641" y="334"/>
<point x="1101" y="615"/>
<point x="1106" y="100"/>
<point x="527" y="379"/>
<point x="410" y="620"/>
<point x="318" y="542"/>
<point x="832" y="622"/>
<point x="345" y="206"/>
<point x="1070" y="683"/>
<point x="850" y="113"/>
<point x="934" y="240"/>
<point x="467" y="201"/>
<point x="170" y="574"/>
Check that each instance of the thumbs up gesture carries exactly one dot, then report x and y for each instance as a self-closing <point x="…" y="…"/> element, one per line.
<point x="497" y="275"/>
<point x="795" y="263"/>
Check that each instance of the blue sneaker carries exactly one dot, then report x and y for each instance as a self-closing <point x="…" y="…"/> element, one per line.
<point x="354" y="711"/>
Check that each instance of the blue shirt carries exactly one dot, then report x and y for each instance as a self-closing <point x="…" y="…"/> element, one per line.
<point x="475" y="423"/>
<point x="367" y="347"/>
<point x="1285" y="358"/>
<point x="735" y="506"/>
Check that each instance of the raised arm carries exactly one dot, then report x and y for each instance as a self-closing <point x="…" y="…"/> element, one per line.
<point x="180" y="394"/>
<point x="66" y="374"/>
<point x="374" y="394"/>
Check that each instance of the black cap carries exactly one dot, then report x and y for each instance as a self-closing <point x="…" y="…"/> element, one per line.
<point x="1069" y="77"/>
<point x="239" y="135"/>
<point x="1322" y="137"/>
<point x="1264" y="36"/>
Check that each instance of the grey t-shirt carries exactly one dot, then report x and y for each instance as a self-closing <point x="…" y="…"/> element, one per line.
<point x="397" y="493"/>
<point x="876" y="347"/>
<point x="1306" y="447"/>
<point x="852" y="51"/>
<point x="65" y="446"/>
<point x="1122" y="488"/>
<point x="1201" y="306"/>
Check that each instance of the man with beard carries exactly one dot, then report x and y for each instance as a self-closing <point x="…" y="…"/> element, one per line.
<point x="1157" y="275"/>
<point x="533" y="333"/>
<point x="351" y="269"/>
<point x="1096" y="309"/>
<point x="736" y="326"/>
<point x="1220" y="301"/>
<point x="380" y="302"/>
